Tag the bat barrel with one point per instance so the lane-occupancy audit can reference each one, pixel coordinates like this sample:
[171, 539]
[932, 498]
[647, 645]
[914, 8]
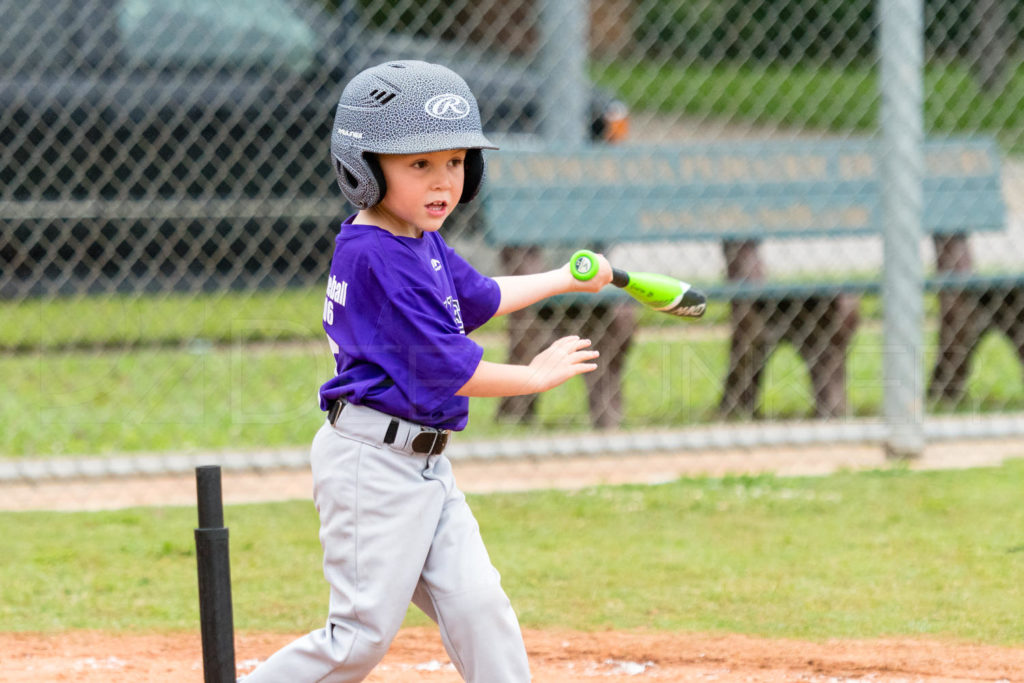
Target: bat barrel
[693, 304]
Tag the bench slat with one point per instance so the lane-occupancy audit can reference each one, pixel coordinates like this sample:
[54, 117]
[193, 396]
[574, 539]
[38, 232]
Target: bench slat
[618, 218]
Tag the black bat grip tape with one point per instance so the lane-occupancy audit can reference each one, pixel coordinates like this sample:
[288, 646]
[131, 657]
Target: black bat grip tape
[620, 278]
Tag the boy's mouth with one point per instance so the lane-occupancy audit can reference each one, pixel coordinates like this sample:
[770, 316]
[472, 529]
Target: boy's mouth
[438, 208]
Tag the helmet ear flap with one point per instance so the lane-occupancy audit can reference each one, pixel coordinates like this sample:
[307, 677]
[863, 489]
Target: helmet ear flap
[361, 181]
[373, 163]
[473, 175]
[345, 178]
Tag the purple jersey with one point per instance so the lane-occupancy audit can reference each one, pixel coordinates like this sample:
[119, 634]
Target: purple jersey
[397, 313]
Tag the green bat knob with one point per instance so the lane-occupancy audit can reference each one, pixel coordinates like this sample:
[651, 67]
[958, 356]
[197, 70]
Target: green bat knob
[584, 265]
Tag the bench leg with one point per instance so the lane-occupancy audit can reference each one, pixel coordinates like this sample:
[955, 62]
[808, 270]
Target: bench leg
[822, 335]
[960, 330]
[1010, 317]
[1007, 314]
[750, 345]
[611, 329]
[966, 318]
[961, 322]
[821, 329]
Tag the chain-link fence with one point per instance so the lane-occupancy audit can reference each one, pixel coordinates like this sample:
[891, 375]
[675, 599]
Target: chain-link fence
[169, 212]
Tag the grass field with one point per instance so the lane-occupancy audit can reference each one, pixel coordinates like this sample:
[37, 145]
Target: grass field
[234, 371]
[848, 555]
[244, 396]
[124, 321]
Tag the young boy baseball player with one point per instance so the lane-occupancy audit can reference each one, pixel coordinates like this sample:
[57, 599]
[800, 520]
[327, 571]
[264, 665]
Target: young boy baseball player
[394, 526]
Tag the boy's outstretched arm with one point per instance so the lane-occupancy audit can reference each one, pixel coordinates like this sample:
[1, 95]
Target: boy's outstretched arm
[566, 358]
[520, 291]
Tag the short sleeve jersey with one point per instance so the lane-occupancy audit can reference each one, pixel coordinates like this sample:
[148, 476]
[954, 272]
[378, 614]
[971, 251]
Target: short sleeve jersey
[396, 314]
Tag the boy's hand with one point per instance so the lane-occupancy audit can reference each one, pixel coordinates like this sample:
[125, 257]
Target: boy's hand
[594, 284]
[564, 359]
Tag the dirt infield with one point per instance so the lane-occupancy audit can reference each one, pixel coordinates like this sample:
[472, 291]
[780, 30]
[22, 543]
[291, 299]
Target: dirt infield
[416, 655]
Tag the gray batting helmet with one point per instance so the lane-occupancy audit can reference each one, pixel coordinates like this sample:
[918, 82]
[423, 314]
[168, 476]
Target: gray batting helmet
[403, 107]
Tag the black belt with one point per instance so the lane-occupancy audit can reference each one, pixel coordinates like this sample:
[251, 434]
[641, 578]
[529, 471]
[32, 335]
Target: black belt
[399, 433]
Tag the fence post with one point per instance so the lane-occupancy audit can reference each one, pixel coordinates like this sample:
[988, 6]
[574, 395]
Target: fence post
[902, 167]
[564, 35]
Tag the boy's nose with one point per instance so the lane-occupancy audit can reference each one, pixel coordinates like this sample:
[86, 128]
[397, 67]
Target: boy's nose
[442, 180]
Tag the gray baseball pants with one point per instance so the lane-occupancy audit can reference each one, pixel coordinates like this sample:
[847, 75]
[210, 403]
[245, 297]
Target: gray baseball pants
[395, 528]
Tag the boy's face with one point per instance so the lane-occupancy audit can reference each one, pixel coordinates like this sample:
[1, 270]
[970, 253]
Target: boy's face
[422, 190]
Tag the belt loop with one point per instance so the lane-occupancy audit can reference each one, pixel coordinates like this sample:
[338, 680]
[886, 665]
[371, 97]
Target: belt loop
[389, 436]
[335, 411]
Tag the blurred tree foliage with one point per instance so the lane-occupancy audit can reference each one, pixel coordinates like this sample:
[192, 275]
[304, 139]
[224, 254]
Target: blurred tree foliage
[816, 31]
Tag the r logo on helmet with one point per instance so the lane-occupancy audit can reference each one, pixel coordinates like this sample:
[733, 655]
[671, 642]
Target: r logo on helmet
[448, 107]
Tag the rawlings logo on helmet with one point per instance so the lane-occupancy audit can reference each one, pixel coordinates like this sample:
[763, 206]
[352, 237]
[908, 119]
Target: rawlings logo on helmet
[448, 107]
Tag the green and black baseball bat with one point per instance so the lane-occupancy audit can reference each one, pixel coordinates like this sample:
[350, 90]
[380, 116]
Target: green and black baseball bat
[660, 292]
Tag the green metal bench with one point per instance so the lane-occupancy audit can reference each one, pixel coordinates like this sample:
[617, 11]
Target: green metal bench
[741, 192]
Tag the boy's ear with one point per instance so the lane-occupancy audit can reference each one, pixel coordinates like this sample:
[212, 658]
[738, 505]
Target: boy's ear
[473, 175]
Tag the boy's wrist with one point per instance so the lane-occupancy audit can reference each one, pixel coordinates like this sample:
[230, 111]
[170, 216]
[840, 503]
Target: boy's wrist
[567, 283]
